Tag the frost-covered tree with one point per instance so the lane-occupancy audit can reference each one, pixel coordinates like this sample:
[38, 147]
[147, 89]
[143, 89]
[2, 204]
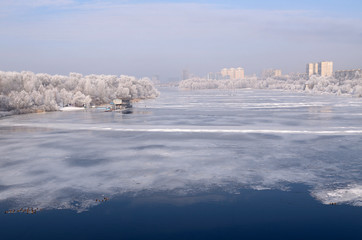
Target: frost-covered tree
[20, 100]
[4, 103]
[28, 92]
[316, 85]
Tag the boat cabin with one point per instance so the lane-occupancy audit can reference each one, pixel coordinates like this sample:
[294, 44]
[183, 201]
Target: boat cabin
[121, 104]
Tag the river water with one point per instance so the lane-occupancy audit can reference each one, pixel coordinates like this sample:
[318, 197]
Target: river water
[186, 151]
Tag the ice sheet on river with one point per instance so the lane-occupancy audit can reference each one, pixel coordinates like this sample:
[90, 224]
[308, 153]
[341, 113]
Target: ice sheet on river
[185, 142]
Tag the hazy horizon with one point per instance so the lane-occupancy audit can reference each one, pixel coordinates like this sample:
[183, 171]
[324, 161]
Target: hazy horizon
[145, 38]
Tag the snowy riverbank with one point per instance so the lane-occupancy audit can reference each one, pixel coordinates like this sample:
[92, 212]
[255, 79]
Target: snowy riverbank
[27, 92]
[315, 85]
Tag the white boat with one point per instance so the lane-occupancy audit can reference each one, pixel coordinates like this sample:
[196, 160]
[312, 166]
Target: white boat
[68, 109]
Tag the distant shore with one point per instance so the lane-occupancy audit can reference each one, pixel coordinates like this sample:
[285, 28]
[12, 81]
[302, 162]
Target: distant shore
[314, 85]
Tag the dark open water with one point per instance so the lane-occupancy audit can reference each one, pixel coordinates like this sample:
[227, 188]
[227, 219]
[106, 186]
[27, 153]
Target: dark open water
[190, 165]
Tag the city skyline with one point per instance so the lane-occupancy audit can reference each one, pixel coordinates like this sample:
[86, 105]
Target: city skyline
[144, 38]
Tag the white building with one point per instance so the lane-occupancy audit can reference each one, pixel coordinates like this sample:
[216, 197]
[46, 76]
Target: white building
[324, 69]
[233, 73]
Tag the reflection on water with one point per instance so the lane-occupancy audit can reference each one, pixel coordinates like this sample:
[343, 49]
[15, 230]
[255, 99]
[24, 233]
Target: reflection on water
[184, 143]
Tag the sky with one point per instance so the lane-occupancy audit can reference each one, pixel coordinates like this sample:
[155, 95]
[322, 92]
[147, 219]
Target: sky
[145, 38]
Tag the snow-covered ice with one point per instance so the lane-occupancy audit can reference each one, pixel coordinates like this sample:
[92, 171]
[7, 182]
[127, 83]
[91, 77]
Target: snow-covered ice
[185, 142]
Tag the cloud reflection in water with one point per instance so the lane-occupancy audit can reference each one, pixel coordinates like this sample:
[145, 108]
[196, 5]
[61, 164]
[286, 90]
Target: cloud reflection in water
[63, 167]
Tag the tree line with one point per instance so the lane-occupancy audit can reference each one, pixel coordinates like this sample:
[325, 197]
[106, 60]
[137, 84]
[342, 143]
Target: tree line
[25, 92]
[315, 84]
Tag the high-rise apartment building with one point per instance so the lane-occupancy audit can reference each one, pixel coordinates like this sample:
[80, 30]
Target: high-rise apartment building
[239, 73]
[324, 69]
[224, 72]
[233, 73]
[310, 69]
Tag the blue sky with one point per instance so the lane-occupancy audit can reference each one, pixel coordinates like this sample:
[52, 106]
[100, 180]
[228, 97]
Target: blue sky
[144, 38]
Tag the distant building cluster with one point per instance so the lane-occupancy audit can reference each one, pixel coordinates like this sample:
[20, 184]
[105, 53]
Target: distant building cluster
[271, 73]
[320, 69]
[227, 73]
[323, 69]
[233, 73]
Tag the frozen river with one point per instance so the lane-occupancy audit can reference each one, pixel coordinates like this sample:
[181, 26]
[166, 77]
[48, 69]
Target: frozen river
[188, 165]
[184, 143]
